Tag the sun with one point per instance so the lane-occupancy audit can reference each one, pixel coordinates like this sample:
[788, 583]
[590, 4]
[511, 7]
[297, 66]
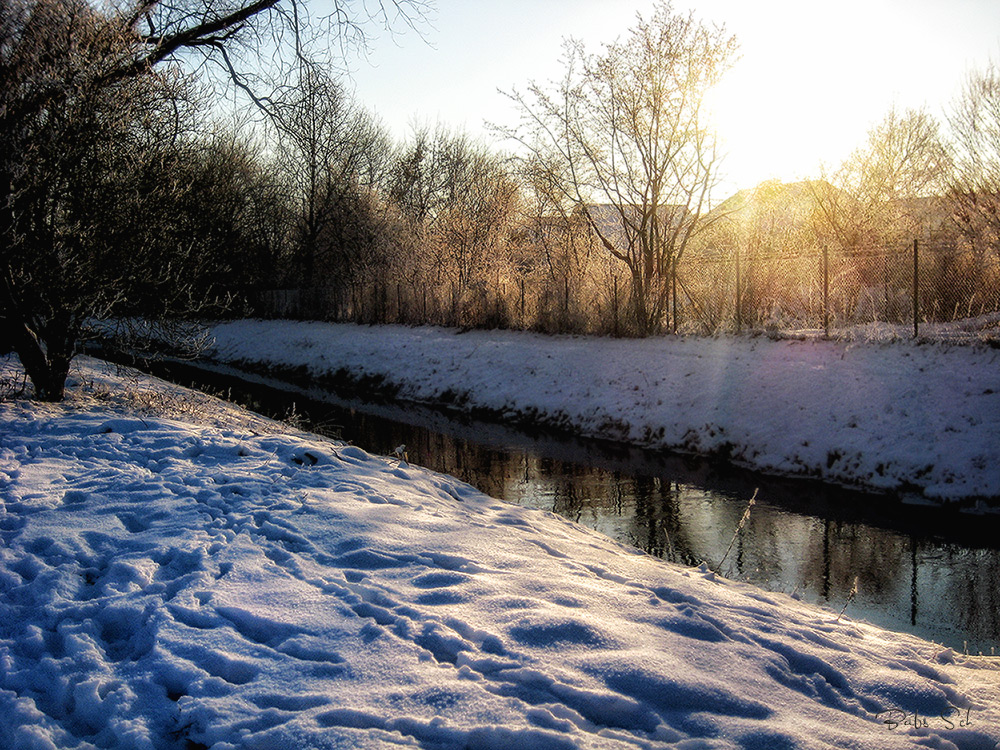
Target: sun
[770, 126]
[808, 85]
[758, 137]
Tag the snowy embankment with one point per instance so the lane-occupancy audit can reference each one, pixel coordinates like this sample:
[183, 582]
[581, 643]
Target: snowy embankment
[179, 574]
[903, 417]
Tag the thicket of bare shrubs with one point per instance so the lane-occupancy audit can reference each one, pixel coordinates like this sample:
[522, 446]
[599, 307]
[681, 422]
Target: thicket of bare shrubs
[121, 197]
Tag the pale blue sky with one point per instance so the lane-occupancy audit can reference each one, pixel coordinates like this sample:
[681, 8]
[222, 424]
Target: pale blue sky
[812, 79]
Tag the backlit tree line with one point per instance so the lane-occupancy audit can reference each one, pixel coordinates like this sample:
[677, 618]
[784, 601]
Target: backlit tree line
[127, 193]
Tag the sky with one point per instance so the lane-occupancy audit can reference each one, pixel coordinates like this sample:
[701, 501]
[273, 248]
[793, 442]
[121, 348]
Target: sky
[811, 80]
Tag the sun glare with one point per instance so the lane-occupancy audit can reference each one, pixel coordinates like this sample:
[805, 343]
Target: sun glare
[784, 111]
[812, 79]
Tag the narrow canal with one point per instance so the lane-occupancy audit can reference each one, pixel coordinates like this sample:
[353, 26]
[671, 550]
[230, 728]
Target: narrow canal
[914, 568]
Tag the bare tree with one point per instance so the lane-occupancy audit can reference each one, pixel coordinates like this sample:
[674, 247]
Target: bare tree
[975, 148]
[557, 256]
[335, 157]
[79, 88]
[461, 199]
[71, 164]
[228, 218]
[553, 225]
[624, 133]
[885, 194]
[873, 200]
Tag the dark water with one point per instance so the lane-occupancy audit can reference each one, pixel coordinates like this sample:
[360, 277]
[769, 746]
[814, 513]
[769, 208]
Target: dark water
[919, 569]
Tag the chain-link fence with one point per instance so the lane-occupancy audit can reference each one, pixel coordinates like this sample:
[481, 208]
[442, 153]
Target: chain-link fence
[915, 288]
[920, 288]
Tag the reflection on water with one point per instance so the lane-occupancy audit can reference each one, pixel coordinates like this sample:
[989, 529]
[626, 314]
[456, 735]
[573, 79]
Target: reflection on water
[919, 569]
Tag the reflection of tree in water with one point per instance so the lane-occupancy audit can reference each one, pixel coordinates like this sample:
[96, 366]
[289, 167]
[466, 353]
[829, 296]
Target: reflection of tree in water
[567, 501]
[975, 595]
[834, 553]
[587, 494]
[761, 548]
[879, 560]
[657, 523]
[486, 468]
[649, 501]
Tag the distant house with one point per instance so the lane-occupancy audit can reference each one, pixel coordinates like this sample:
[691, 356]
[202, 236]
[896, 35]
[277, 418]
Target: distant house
[607, 218]
[791, 216]
[612, 222]
[780, 203]
[932, 217]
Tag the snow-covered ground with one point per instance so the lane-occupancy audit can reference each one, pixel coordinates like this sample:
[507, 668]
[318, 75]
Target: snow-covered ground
[917, 418]
[175, 573]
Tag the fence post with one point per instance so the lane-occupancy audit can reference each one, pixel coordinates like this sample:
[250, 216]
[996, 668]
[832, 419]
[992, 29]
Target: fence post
[614, 281]
[673, 291]
[504, 309]
[826, 291]
[885, 279]
[521, 284]
[739, 301]
[916, 289]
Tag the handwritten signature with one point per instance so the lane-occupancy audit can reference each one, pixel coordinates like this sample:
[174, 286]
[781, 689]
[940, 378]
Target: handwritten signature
[953, 718]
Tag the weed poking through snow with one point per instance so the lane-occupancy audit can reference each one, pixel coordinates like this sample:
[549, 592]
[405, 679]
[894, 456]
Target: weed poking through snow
[739, 527]
[850, 598]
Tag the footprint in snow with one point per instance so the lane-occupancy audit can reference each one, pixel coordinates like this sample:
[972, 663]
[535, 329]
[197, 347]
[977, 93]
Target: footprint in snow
[133, 523]
[75, 498]
[439, 588]
[440, 579]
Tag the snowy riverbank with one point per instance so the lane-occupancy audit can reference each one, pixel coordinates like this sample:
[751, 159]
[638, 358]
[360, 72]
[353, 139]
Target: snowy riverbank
[175, 574]
[920, 419]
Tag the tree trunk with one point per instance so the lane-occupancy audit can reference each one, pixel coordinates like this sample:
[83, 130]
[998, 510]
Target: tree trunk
[46, 367]
[50, 385]
[640, 305]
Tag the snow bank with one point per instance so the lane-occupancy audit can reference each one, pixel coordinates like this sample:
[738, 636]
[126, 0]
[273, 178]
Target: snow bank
[171, 585]
[903, 417]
